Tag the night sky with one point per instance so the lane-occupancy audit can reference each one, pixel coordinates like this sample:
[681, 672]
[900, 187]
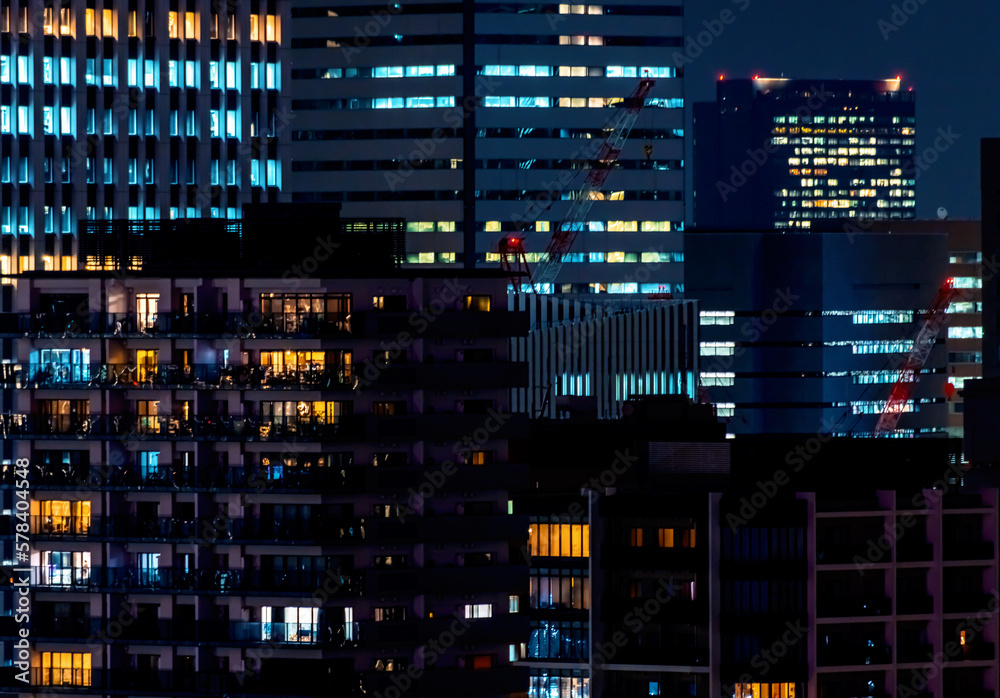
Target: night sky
[945, 50]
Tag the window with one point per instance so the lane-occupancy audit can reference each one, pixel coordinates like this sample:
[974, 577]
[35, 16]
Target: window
[559, 540]
[61, 516]
[149, 568]
[635, 537]
[514, 603]
[479, 610]
[477, 303]
[675, 537]
[66, 668]
[173, 29]
[390, 664]
[557, 588]
[389, 613]
[65, 569]
[293, 624]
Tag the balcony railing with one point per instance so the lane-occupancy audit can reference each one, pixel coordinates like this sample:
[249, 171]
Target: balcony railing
[169, 324]
[20, 425]
[167, 376]
[175, 475]
[245, 582]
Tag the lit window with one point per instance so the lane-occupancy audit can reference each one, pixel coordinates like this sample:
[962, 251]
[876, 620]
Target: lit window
[559, 540]
[173, 30]
[108, 21]
[66, 669]
[635, 537]
[514, 603]
[190, 25]
[90, 20]
[271, 28]
[479, 610]
[479, 303]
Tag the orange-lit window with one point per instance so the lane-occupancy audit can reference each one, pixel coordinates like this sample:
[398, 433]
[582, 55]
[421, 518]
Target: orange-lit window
[65, 21]
[635, 537]
[765, 690]
[90, 17]
[665, 537]
[65, 669]
[190, 25]
[271, 28]
[254, 28]
[133, 27]
[482, 661]
[961, 637]
[173, 30]
[108, 24]
[61, 516]
[559, 540]
[48, 20]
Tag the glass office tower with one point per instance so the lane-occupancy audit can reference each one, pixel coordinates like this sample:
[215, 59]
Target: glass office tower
[475, 120]
[134, 109]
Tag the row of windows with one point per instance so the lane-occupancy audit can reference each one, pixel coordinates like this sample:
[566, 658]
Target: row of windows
[566, 71]
[491, 8]
[488, 39]
[492, 101]
[438, 133]
[483, 195]
[389, 71]
[456, 163]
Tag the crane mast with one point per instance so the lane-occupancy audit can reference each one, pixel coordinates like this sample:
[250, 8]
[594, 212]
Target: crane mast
[512, 251]
[902, 389]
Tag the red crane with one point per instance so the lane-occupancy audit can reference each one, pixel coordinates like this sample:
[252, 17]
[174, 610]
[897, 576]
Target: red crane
[910, 371]
[512, 258]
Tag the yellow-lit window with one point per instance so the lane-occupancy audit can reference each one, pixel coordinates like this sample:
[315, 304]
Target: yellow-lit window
[190, 25]
[48, 264]
[173, 30]
[133, 24]
[479, 303]
[254, 28]
[213, 27]
[65, 21]
[665, 537]
[492, 227]
[48, 20]
[635, 537]
[764, 690]
[595, 41]
[108, 24]
[68, 264]
[66, 669]
[616, 257]
[271, 28]
[478, 458]
[26, 263]
[90, 17]
[60, 516]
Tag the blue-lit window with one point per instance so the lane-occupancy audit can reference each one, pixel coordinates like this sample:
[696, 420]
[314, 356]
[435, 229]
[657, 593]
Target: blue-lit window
[5, 119]
[213, 75]
[49, 120]
[214, 128]
[150, 72]
[47, 214]
[255, 70]
[595, 257]
[419, 102]
[174, 123]
[133, 123]
[231, 76]
[23, 120]
[173, 75]
[109, 171]
[216, 212]
[150, 172]
[232, 213]
[22, 177]
[654, 688]
[67, 220]
[24, 70]
[5, 68]
[150, 122]
[109, 122]
[109, 72]
[620, 71]
[389, 103]
[149, 464]
[231, 125]
[91, 76]
[231, 173]
[191, 74]
[270, 76]
[494, 101]
[133, 73]
[445, 101]
[255, 173]
[272, 174]
[533, 102]
[133, 171]
[65, 71]
[657, 72]
[396, 71]
[214, 170]
[446, 69]
[91, 177]
[191, 127]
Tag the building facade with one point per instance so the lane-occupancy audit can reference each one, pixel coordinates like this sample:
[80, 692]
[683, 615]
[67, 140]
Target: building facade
[781, 153]
[261, 482]
[476, 121]
[805, 332]
[138, 111]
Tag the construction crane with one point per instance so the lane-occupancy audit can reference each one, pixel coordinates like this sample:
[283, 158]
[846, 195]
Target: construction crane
[512, 258]
[909, 372]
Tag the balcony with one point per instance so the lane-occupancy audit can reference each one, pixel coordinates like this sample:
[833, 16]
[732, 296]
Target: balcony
[968, 550]
[174, 427]
[243, 582]
[167, 324]
[172, 376]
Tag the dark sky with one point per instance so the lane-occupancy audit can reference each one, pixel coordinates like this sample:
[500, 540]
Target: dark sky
[945, 50]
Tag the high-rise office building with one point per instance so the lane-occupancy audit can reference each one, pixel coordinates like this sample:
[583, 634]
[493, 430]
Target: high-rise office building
[386, 120]
[780, 153]
[806, 332]
[135, 110]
